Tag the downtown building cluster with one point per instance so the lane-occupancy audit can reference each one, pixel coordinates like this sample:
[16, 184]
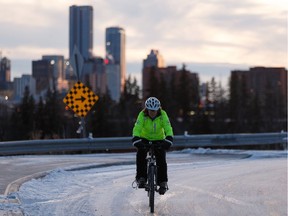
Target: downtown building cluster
[55, 72]
[107, 75]
[256, 100]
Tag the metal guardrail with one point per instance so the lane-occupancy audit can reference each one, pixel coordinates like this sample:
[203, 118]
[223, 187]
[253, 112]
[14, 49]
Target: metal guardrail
[124, 143]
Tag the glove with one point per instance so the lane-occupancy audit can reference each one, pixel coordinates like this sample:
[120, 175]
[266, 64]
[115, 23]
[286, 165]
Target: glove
[137, 142]
[169, 139]
[168, 142]
[135, 138]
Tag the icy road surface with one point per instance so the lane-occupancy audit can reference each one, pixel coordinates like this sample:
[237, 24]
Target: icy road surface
[252, 186]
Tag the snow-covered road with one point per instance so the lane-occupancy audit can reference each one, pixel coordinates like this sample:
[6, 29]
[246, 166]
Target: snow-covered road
[223, 186]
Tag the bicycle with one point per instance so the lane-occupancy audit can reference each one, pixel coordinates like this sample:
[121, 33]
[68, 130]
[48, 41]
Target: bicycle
[151, 187]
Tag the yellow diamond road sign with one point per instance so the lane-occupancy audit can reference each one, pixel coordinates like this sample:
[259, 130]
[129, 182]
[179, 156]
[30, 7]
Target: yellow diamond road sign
[80, 99]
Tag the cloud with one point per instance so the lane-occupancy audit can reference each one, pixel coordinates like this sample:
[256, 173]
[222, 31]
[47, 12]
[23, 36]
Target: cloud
[217, 31]
[32, 27]
[249, 32]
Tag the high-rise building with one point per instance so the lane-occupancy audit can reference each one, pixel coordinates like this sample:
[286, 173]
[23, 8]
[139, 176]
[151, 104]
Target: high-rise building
[115, 61]
[58, 65]
[49, 73]
[5, 73]
[97, 79]
[81, 30]
[58, 74]
[21, 83]
[259, 99]
[262, 80]
[155, 74]
[42, 71]
[154, 59]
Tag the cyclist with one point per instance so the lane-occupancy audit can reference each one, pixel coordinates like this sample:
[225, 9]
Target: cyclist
[152, 124]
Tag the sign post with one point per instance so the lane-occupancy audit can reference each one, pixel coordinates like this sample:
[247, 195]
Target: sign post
[84, 135]
[80, 98]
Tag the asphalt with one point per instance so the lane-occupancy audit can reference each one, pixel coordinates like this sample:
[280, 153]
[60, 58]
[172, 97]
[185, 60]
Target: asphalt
[17, 170]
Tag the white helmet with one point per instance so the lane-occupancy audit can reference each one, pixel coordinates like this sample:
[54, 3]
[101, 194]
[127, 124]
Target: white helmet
[152, 103]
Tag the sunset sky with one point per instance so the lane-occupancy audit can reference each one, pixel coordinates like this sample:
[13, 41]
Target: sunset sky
[211, 37]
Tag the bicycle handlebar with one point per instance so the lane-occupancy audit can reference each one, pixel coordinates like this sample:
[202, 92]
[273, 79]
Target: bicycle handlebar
[152, 142]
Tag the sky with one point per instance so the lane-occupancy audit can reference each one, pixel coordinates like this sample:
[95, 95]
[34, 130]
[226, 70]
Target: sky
[210, 37]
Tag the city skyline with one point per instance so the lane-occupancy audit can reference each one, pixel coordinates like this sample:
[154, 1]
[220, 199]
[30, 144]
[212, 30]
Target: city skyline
[210, 37]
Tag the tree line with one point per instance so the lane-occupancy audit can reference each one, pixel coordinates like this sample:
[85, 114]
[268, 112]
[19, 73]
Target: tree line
[218, 111]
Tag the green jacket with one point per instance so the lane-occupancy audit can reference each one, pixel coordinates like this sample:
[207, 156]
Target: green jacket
[156, 129]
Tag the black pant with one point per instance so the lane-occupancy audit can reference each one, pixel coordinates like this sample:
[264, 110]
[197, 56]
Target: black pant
[141, 163]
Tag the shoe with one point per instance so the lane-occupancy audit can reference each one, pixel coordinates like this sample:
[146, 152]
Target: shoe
[141, 182]
[163, 188]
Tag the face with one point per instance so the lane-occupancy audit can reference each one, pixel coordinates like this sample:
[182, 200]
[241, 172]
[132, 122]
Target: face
[152, 113]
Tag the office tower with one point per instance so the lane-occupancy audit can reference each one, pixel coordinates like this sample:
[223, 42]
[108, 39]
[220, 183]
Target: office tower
[58, 74]
[81, 30]
[261, 81]
[5, 73]
[21, 83]
[49, 74]
[155, 75]
[259, 99]
[42, 71]
[154, 59]
[58, 65]
[97, 79]
[115, 61]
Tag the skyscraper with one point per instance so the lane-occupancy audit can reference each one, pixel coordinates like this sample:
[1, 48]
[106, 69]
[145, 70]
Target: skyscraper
[81, 30]
[42, 72]
[259, 99]
[5, 73]
[115, 61]
[57, 61]
[154, 59]
[21, 83]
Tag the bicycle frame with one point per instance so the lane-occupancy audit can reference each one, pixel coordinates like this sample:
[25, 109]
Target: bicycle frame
[151, 186]
[151, 161]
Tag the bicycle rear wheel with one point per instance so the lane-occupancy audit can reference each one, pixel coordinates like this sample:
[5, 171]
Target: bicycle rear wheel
[151, 188]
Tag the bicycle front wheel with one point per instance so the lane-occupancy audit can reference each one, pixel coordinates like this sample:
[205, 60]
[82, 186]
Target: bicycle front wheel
[151, 188]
